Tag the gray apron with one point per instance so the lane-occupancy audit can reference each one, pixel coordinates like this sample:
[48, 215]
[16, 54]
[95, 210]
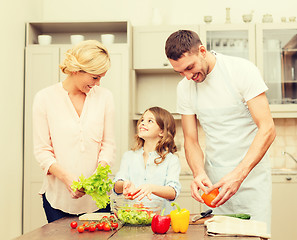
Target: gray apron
[229, 133]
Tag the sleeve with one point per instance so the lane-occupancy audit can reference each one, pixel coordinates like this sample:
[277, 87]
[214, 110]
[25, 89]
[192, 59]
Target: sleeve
[184, 105]
[123, 173]
[172, 178]
[108, 147]
[43, 148]
[252, 83]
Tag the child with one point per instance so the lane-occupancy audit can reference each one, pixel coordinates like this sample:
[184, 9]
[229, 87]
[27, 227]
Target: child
[151, 169]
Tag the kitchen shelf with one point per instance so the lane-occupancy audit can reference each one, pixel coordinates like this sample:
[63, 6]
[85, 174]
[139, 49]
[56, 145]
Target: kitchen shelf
[61, 31]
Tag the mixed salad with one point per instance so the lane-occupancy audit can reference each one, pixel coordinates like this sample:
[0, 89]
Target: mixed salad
[136, 215]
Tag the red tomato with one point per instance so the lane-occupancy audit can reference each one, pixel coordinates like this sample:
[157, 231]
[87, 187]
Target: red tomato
[100, 226]
[106, 227]
[114, 225]
[73, 224]
[112, 217]
[92, 228]
[86, 223]
[208, 198]
[80, 229]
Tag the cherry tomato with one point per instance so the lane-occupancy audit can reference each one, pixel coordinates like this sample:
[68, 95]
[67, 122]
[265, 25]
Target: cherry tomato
[106, 227]
[112, 217]
[86, 223]
[73, 224]
[81, 229]
[208, 198]
[100, 226]
[92, 228]
[114, 225]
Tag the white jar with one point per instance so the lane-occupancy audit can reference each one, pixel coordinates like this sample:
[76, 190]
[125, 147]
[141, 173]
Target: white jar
[44, 39]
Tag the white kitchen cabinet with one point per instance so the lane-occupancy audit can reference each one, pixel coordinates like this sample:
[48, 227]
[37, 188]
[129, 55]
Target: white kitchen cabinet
[277, 60]
[149, 45]
[154, 81]
[284, 208]
[42, 70]
[185, 199]
[230, 39]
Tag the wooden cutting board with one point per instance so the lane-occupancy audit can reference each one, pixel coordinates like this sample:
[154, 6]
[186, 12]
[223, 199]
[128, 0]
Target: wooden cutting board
[200, 221]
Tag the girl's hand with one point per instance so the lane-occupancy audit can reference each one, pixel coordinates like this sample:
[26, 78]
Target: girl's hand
[144, 190]
[128, 189]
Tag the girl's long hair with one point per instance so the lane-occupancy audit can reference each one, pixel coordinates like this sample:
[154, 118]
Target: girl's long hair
[166, 144]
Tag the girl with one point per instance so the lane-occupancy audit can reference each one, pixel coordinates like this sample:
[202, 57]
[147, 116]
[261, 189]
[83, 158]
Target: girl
[151, 169]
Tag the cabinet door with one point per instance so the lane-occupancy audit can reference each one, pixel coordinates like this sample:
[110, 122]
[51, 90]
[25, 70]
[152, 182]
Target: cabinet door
[277, 61]
[149, 46]
[284, 208]
[117, 81]
[185, 199]
[41, 71]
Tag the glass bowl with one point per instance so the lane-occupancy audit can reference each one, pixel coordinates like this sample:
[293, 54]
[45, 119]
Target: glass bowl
[134, 212]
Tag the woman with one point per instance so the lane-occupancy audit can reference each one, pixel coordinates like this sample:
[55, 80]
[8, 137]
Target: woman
[73, 129]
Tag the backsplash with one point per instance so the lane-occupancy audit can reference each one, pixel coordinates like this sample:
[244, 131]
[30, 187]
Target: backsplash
[286, 140]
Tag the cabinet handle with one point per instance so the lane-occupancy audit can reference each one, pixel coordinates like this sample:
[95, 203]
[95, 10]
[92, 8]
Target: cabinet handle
[165, 64]
[288, 178]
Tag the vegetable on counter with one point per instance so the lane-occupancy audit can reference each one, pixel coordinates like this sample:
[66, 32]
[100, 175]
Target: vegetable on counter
[97, 185]
[179, 218]
[208, 198]
[160, 223]
[238, 215]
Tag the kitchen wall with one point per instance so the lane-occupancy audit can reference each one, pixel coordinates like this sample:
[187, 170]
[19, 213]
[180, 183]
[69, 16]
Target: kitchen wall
[14, 14]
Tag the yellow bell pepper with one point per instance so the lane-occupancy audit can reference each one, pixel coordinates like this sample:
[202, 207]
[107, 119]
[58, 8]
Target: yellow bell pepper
[179, 219]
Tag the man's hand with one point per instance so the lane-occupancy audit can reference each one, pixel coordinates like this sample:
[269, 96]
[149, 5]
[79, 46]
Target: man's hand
[201, 181]
[228, 186]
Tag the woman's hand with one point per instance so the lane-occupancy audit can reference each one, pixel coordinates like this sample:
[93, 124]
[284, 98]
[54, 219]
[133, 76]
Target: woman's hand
[78, 193]
[201, 181]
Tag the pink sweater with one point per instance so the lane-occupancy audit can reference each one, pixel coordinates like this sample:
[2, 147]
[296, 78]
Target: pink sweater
[75, 142]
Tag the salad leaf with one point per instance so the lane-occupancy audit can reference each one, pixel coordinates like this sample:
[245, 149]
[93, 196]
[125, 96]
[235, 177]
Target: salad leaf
[97, 185]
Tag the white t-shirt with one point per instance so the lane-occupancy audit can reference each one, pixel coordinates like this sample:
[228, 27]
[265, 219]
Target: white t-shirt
[243, 75]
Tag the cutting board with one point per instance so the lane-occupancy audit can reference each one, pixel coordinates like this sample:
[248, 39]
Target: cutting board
[93, 216]
[200, 221]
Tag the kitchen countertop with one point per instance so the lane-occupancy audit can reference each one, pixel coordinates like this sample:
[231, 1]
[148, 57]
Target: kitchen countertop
[60, 229]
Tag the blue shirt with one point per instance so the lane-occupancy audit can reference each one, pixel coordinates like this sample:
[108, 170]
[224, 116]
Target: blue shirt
[165, 174]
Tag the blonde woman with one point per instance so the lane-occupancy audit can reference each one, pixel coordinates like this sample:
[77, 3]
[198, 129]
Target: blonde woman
[73, 129]
[151, 169]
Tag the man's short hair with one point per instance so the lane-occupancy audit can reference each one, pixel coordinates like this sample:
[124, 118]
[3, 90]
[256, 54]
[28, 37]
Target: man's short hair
[180, 42]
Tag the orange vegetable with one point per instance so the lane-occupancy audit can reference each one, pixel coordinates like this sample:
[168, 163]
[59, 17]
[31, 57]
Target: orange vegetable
[208, 198]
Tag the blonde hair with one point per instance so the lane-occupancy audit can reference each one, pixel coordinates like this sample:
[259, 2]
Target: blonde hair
[88, 56]
[166, 144]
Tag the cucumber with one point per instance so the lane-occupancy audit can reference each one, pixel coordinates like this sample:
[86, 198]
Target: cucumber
[239, 215]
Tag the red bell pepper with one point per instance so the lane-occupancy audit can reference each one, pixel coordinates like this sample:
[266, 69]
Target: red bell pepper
[160, 223]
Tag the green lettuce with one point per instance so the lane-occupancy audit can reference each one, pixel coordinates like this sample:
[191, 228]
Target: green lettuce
[97, 186]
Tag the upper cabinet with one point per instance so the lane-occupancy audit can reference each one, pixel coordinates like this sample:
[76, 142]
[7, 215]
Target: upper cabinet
[149, 45]
[277, 61]
[230, 39]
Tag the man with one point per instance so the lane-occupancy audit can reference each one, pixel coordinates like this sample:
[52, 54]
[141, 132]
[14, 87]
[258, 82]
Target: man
[227, 94]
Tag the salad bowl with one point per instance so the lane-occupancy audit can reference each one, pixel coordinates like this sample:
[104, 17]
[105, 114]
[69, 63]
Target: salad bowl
[134, 212]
